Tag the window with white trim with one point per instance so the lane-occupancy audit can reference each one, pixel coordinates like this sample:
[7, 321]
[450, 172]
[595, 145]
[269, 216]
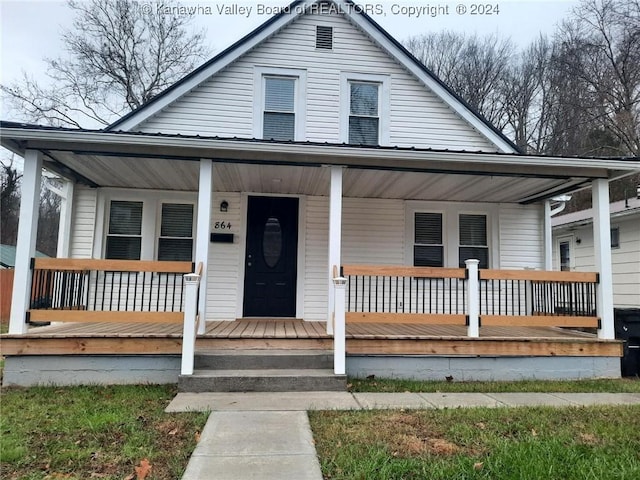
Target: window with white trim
[279, 117]
[364, 113]
[428, 248]
[440, 234]
[473, 239]
[124, 234]
[176, 232]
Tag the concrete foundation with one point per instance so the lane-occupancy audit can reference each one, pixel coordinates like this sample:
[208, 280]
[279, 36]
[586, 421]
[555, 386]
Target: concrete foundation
[483, 368]
[32, 370]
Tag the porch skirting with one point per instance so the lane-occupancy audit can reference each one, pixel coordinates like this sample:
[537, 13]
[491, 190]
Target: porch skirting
[31, 370]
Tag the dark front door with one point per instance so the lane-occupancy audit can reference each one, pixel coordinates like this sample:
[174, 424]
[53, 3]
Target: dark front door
[271, 260]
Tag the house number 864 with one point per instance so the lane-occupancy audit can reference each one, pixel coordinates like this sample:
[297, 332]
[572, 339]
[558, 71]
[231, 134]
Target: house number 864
[222, 225]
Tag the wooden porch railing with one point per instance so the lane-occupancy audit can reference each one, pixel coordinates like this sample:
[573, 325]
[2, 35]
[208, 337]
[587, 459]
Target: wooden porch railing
[538, 298]
[93, 290]
[387, 294]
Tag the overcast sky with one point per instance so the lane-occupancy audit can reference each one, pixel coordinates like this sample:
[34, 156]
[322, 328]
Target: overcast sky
[31, 28]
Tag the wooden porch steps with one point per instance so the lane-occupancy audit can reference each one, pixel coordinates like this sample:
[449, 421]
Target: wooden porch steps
[263, 371]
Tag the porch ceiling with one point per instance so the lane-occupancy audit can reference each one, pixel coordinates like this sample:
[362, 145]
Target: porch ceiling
[176, 174]
[171, 162]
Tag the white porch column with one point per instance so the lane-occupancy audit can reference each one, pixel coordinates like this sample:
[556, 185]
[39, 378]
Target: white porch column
[602, 251]
[339, 339]
[26, 246]
[548, 244]
[203, 227]
[335, 238]
[66, 209]
[473, 298]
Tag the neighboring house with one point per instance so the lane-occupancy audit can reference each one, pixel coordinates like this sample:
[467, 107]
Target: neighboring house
[315, 146]
[7, 262]
[8, 256]
[573, 247]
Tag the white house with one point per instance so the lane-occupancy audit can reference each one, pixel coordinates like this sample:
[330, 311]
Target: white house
[573, 247]
[316, 147]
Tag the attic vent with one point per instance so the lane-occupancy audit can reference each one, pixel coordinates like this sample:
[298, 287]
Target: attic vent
[324, 37]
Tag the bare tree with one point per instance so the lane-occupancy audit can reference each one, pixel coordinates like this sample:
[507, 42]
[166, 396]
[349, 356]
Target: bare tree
[599, 47]
[9, 203]
[121, 53]
[474, 67]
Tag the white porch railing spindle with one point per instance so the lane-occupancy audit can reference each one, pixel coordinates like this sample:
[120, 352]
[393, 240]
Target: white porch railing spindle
[191, 281]
[339, 330]
[473, 298]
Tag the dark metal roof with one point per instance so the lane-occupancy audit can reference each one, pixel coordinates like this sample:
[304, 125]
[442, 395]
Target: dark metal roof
[27, 126]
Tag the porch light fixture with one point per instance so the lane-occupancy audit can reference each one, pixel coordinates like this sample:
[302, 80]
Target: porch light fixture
[224, 206]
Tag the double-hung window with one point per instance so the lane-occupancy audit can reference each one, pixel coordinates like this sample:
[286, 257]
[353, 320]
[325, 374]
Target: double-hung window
[279, 103]
[124, 234]
[176, 232]
[446, 235]
[364, 108]
[279, 117]
[473, 239]
[364, 113]
[428, 249]
[150, 226]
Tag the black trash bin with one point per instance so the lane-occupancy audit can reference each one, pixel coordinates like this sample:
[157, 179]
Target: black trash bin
[627, 327]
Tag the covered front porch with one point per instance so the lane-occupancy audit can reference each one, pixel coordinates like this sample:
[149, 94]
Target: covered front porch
[356, 231]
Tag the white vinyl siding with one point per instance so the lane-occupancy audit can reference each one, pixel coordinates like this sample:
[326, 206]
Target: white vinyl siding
[224, 259]
[83, 222]
[372, 231]
[625, 260]
[521, 237]
[223, 105]
[316, 259]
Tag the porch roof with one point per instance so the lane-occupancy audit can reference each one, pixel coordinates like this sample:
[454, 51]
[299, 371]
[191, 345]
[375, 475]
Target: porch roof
[161, 161]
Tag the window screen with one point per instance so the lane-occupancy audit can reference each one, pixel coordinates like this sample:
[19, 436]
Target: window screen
[363, 113]
[279, 108]
[124, 237]
[176, 232]
[473, 239]
[428, 249]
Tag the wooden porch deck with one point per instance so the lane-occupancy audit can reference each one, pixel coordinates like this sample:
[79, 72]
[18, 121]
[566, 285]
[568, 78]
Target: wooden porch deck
[361, 338]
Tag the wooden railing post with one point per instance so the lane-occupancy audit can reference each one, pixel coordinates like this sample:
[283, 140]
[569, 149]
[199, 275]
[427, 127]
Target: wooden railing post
[473, 298]
[339, 329]
[191, 282]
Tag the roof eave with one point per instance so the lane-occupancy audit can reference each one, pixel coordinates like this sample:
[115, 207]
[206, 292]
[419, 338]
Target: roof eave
[20, 139]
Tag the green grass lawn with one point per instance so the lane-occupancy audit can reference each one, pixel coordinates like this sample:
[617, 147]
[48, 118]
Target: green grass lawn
[620, 385]
[596, 443]
[93, 432]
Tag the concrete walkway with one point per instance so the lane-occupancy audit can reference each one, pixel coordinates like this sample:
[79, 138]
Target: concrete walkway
[266, 435]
